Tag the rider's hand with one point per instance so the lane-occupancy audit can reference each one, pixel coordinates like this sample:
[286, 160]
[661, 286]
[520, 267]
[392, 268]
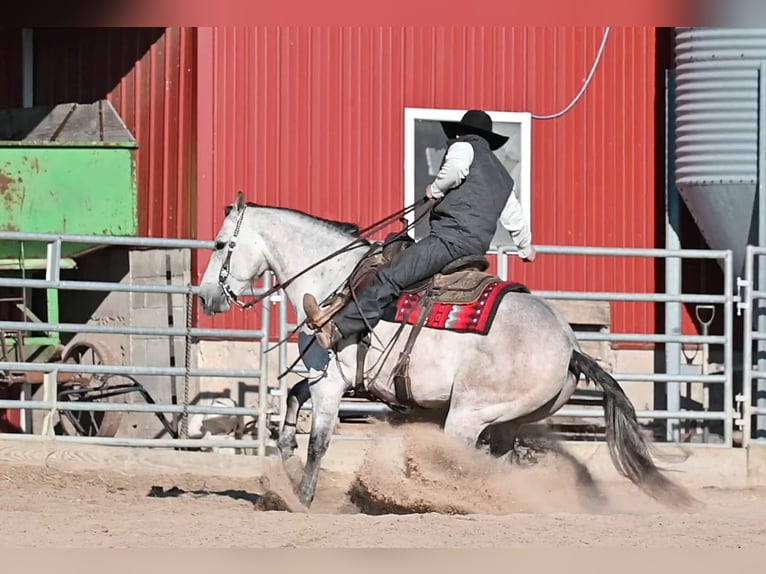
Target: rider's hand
[429, 192]
[531, 256]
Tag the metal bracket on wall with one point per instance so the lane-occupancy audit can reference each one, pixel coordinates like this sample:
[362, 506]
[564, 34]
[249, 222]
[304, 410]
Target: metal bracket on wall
[738, 416]
[742, 301]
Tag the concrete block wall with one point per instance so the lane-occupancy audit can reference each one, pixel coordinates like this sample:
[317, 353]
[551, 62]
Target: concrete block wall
[158, 266]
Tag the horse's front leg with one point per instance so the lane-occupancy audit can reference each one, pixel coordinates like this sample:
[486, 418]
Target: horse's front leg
[316, 360]
[325, 398]
[298, 395]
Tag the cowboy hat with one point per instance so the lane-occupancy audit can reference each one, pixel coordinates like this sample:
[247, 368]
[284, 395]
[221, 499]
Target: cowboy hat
[475, 122]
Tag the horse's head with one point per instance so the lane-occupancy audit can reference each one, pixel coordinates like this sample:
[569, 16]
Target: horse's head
[238, 260]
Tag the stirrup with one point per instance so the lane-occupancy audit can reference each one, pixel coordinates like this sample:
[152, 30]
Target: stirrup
[315, 315]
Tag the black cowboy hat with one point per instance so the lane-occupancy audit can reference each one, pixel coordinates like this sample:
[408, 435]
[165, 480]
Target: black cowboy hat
[475, 122]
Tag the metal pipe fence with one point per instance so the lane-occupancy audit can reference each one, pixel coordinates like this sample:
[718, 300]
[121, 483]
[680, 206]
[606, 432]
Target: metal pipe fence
[53, 370]
[727, 414]
[265, 413]
[672, 338]
[754, 403]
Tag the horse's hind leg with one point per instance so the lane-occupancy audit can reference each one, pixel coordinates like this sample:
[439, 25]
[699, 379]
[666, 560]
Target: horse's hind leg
[468, 421]
[467, 425]
[504, 437]
[501, 438]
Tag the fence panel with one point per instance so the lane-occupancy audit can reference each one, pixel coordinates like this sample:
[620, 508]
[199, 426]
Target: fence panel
[266, 414]
[55, 376]
[727, 415]
[754, 304]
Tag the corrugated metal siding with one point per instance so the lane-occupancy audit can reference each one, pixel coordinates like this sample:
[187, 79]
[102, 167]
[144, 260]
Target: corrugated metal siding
[149, 75]
[10, 68]
[717, 104]
[312, 118]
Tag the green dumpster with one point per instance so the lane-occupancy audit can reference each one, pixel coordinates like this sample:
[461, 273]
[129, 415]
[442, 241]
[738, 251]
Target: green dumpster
[66, 169]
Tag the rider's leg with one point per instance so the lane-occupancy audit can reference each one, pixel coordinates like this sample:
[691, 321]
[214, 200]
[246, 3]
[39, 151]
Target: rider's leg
[422, 260]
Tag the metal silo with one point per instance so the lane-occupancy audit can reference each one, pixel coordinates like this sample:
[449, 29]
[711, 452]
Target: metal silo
[716, 143]
[720, 102]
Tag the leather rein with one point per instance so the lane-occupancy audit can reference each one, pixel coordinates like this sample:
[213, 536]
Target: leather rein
[360, 241]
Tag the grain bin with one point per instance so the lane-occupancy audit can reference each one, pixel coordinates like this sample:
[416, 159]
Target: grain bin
[716, 144]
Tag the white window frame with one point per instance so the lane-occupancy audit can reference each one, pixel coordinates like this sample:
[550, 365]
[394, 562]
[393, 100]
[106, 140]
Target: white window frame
[447, 114]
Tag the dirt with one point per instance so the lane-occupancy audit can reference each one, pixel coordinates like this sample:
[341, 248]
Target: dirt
[431, 494]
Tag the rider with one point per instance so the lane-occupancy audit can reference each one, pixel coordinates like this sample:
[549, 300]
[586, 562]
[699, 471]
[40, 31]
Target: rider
[473, 190]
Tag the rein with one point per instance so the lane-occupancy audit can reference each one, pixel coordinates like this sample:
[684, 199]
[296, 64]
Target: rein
[355, 244]
[362, 232]
[360, 241]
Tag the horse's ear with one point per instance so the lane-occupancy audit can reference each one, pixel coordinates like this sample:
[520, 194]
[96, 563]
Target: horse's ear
[240, 203]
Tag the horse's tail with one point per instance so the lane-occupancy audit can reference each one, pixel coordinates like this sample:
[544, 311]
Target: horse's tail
[627, 446]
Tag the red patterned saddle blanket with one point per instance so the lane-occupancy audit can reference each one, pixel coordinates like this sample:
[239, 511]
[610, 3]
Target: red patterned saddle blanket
[471, 314]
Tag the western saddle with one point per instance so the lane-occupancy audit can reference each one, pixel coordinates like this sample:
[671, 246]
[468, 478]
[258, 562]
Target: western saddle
[460, 282]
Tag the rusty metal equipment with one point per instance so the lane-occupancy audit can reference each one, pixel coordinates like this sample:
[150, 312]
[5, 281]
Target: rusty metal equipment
[66, 169]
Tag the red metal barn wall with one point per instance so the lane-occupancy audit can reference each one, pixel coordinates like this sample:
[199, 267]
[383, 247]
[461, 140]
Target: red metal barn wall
[312, 118]
[149, 75]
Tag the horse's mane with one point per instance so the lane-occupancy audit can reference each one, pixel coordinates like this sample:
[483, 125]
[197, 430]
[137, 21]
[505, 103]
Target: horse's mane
[342, 226]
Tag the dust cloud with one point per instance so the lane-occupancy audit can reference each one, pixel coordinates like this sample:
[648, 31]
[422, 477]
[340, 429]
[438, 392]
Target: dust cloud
[416, 469]
[428, 472]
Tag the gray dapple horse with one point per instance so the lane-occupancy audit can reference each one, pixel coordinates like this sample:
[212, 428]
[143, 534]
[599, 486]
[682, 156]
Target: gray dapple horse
[523, 370]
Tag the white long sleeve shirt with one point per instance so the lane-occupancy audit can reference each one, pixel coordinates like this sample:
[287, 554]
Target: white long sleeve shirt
[456, 167]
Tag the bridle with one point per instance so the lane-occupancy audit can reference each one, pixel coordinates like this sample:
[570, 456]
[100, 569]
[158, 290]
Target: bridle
[224, 272]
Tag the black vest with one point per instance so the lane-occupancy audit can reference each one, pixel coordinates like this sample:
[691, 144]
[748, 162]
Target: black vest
[467, 216]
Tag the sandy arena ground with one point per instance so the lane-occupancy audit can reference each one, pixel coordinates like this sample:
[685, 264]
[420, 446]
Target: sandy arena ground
[446, 498]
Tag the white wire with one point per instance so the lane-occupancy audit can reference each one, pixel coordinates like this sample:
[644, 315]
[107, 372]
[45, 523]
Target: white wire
[584, 86]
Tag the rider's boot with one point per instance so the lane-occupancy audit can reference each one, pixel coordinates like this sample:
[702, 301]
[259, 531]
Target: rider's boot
[327, 334]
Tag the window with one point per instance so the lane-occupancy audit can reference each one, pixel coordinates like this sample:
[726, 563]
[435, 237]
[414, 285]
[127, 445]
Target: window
[425, 146]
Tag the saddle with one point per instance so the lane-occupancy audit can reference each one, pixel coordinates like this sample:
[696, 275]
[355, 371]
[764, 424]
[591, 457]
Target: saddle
[460, 282]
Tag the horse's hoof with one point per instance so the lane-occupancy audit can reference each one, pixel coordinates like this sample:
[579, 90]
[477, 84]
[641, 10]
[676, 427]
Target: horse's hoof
[305, 498]
[522, 456]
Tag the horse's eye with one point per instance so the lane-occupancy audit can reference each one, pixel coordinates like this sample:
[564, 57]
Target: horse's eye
[219, 245]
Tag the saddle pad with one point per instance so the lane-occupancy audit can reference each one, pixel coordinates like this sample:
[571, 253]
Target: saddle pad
[474, 317]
